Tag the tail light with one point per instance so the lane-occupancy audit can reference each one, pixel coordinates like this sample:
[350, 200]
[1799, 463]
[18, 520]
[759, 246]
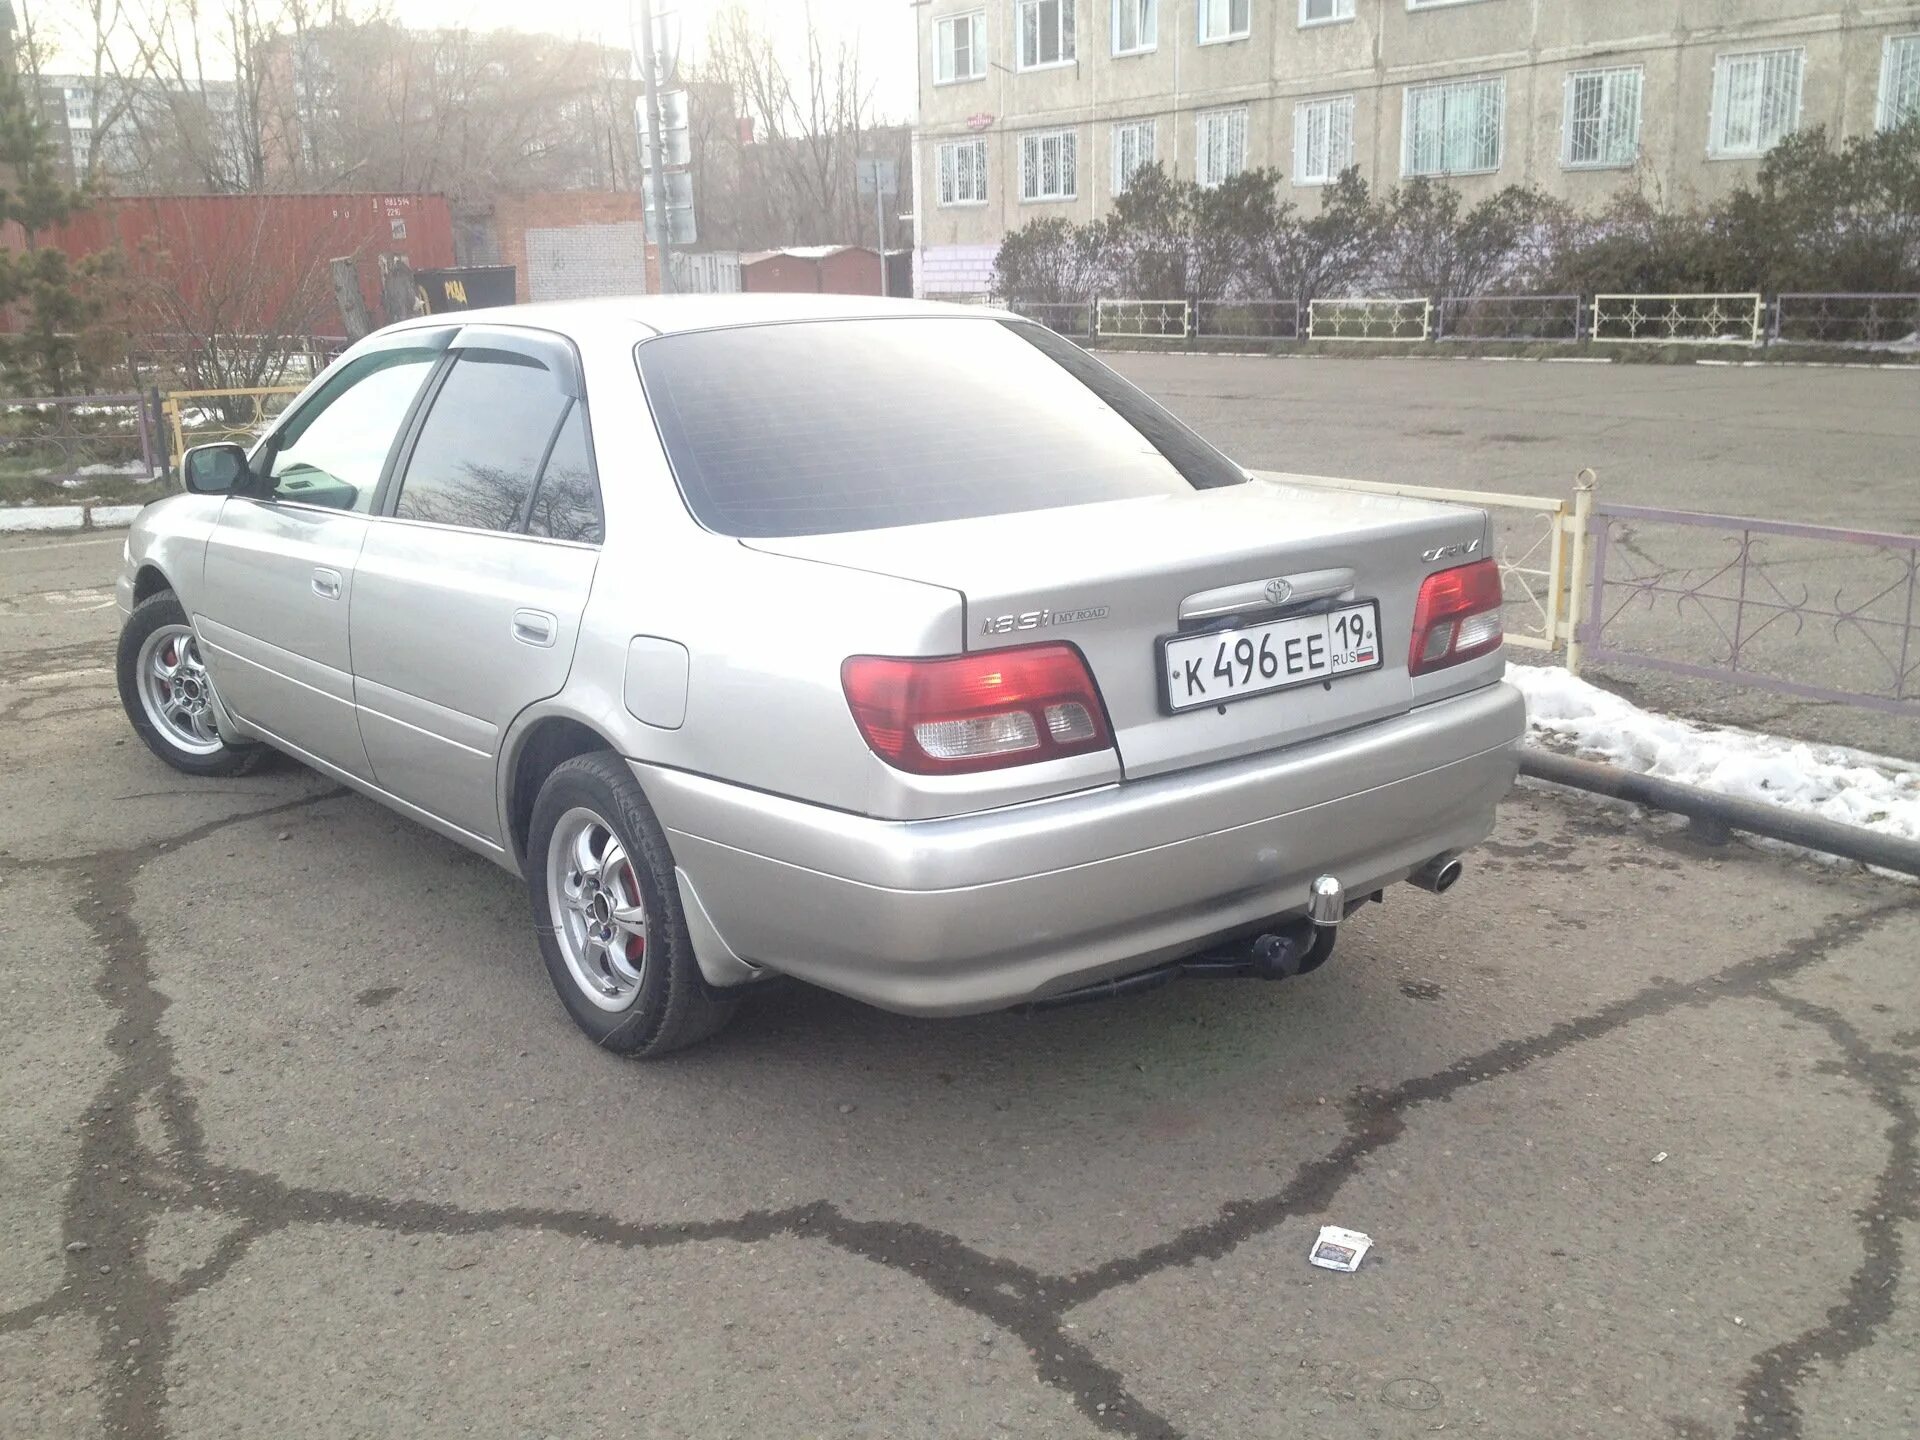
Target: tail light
[959, 713]
[1456, 617]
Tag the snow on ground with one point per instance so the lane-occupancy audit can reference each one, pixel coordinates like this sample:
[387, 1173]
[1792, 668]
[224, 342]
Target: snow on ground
[1831, 781]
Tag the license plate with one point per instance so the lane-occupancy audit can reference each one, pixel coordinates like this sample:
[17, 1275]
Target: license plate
[1223, 665]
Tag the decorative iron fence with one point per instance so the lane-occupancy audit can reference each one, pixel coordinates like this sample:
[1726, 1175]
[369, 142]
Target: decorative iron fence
[1805, 610]
[1143, 319]
[199, 417]
[1736, 319]
[1369, 318]
[58, 443]
[1536, 318]
[1846, 319]
[1073, 319]
[1247, 319]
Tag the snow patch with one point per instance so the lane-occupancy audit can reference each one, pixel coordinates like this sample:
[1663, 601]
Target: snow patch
[1831, 781]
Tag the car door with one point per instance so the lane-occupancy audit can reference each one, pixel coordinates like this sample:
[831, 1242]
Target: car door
[470, 587]
[278, 575]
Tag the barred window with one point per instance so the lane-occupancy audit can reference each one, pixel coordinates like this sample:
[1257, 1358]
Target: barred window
[1900, 82]
[1322, 140]
[1045, 29]
[963, 172]
[1320, 12]
[1048, 159]
[1136, 26]
[1224, 19]
[960, 47]
[1756, 101]
[1220, 146]
[1453, 129]
[1603, 117]
[1133, 146]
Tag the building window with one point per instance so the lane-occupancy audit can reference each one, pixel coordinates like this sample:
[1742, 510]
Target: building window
[1045, 28]
[1603, 118]
[1133, 146]
[963, 172]
[959, 48]
[1220, 145]
[1136, 26]
[1224, 19]
[1325, 12]
[1047, 162]
[1322, 140]
[1453, 129]
[1900, 82]
[1756, 101]
[1434, 4]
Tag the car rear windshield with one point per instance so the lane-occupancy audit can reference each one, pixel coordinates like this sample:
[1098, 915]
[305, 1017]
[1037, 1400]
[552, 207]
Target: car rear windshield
[837, 425]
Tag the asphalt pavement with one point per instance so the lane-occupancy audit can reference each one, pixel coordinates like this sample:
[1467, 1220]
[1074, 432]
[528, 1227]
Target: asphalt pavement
[296, 1142]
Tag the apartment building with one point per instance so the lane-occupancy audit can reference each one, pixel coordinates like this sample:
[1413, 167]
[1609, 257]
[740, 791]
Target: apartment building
[1045, 107]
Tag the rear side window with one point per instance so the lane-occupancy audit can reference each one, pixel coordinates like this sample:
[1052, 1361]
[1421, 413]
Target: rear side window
[567, 504]
[827, 426]
[481, 446]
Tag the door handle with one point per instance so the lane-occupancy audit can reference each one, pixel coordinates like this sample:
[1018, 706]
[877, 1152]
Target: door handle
[534, 627]
[326, 584]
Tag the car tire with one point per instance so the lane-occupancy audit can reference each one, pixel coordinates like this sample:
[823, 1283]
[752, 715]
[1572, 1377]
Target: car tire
[168, 695]
[606, 910]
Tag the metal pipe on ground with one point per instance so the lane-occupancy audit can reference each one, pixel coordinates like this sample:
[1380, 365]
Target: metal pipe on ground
[1850, 842]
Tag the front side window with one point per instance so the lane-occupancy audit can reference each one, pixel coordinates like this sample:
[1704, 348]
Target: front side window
[1603, 117]
[1045, 30]
[1900, 82]
[332, 450]
[1322, 12]
[1453, 129]
[1756, 101]
[1322, 140]
[820, 427]
[1220, 148]
[1133, 146]
[1136, 26]
[1048, 161]
[1224, 20]
[481, 446]
[963, 172]
[960, 47]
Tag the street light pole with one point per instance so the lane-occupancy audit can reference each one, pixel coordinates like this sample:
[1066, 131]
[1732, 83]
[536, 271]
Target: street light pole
[651, 79]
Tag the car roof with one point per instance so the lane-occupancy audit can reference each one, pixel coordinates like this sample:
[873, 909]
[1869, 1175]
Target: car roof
[671, 314]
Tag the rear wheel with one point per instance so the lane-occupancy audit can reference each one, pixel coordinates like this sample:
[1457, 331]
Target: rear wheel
[168, 694]
[606, 909]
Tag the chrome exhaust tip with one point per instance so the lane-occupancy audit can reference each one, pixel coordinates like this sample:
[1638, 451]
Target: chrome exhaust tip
[1326, 901]
[1438, 874]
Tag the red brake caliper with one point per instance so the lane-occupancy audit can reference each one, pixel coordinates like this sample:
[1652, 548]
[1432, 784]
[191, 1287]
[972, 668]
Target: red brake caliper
[636, 944]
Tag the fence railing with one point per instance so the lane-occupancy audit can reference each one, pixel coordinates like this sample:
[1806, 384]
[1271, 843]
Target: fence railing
[1247, 319]
[1733, 319]
[1512, 317]
[1143, 319]
[199, 417]
[66, 442]
[1369, 318]
[1073, 319]
[1839, 318]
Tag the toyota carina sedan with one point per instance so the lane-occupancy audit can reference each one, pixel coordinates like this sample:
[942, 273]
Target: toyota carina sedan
[902, 649]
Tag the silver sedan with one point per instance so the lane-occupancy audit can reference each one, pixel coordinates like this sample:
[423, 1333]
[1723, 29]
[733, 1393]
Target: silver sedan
[903, 649]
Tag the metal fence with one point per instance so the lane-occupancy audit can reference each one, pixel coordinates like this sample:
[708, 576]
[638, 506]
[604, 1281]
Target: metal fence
[1807, 610]
[1839, 318]
[1733, 319]
[198, 417]
[1369, 318]
[1143, 319]
[1247, 319]
[1538, 318]
[1073, 319]
[71, 441]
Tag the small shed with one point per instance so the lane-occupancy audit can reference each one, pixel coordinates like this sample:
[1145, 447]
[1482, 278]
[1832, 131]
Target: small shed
[834, 269]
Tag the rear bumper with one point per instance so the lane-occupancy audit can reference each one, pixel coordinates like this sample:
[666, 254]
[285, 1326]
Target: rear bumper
[981, 911]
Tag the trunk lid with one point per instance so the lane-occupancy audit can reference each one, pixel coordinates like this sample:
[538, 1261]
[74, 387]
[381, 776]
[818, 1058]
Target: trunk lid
[1112, 578]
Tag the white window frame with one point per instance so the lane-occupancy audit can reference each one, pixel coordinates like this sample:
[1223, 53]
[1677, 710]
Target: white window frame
[942, 190]
[1203, 8]
[1437, 4]
[1144, 154]
[1302, 117]
[1202, 151]
[1342, 13]
[1612, 78]
[1884, 118]
[1498, 83]
[1067, 165]
[1066, 34]
[976, 23]
[1717, 148]
[1148, 14]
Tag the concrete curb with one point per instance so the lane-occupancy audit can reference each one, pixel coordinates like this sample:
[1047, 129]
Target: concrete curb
[22, 519]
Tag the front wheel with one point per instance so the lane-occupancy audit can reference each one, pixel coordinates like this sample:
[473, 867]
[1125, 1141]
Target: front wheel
[606, 909]
[168, 695]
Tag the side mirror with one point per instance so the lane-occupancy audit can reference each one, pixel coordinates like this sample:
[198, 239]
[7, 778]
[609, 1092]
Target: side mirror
[216, 469]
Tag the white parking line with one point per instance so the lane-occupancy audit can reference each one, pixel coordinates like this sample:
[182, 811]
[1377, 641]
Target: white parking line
[55, 676]
[114, 539]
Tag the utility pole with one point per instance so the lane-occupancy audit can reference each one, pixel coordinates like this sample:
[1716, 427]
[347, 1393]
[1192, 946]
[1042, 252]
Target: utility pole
[880, 234]
[658, 202]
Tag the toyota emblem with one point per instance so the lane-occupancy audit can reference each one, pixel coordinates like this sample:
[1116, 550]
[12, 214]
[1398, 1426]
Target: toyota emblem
[1279, 591]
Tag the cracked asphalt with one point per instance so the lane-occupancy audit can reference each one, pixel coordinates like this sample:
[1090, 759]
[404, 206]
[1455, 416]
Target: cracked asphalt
[296, 1142]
